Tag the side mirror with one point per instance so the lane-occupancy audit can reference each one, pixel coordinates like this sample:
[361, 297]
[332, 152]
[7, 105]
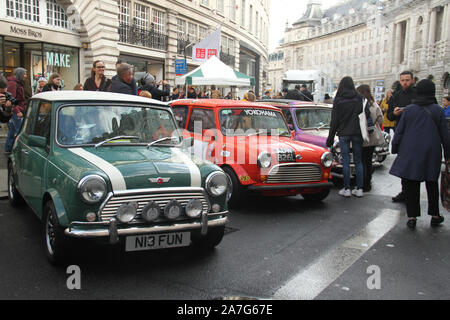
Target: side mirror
[37, 141]
[208, 135]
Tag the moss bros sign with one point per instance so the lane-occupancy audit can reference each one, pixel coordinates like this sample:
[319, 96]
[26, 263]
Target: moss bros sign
[26, 32]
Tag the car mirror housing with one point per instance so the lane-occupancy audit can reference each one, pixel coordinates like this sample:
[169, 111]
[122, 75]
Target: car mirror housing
[37, 141]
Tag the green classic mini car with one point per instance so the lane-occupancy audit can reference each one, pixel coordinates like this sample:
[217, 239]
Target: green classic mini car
[112, 166]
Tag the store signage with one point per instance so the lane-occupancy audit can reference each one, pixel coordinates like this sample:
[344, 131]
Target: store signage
[57, 59]
[25, 32]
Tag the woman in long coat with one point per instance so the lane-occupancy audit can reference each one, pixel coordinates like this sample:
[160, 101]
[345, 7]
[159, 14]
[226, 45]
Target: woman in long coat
[417, 141]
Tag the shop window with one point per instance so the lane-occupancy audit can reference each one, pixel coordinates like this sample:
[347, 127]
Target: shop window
[62, 60]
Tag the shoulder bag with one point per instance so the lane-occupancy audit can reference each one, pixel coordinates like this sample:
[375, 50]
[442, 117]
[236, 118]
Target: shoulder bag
[363, 123]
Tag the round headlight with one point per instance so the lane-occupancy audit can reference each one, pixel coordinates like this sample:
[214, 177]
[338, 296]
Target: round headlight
[126, 212]
[92, 189]
[194, 208]
[264, 159]
[173, 210]
[151, 211]
[327, 159]
[217, 183]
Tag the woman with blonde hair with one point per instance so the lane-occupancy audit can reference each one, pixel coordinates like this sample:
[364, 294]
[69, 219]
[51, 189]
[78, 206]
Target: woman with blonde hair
[145, 94]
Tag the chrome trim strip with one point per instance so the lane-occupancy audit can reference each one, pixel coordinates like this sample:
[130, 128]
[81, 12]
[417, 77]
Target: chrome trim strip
[292, 186]
[175, 227]
[157, 190]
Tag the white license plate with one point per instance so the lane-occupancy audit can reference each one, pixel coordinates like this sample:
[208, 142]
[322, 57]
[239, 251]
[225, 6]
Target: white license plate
[157, 241]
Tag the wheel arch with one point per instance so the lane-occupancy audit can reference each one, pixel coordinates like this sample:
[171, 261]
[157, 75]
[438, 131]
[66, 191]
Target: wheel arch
[53, 195]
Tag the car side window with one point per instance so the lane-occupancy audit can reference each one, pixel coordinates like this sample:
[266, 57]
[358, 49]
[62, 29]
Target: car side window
[180, 113]
[205, 116]
[43, 121]
[30, 117]
[288, 115]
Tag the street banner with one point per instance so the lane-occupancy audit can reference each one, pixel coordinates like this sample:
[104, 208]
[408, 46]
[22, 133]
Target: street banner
[208, 47]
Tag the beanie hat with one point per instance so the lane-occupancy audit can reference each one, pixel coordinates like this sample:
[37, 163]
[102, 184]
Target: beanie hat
[42, 79]
[148, 79]
[426, 88]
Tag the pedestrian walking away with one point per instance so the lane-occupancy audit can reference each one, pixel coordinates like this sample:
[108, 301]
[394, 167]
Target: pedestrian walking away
[345, 124]
[16, 88]
[97, 81]
[375, 138]
[402, 97]
[421, 131]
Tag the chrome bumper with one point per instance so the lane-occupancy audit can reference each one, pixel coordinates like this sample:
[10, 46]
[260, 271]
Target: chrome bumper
[113, 229]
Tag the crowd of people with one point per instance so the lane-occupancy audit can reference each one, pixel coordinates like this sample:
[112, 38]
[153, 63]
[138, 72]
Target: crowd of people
[409, 109]
[421, 133]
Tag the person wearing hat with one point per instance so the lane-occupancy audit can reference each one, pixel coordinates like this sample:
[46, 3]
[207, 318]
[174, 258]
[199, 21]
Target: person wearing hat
[148, 83]
[16, 84]
[306, 95]
[419, 137]
[40, 85]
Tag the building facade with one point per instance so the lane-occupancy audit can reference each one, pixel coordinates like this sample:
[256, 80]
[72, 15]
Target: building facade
[372, 41]
[67, 36]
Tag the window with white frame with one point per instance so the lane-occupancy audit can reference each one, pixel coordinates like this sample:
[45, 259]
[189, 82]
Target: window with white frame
[220, 6]
[124, 11]
[250, 19]
[233, 10]
[192, 30]
[56, 15]
[159, 21]
[256, 24]
[202, 32]
[23, 9]
[181, 28]
[243, 13]
[205, 3]
[141, 15]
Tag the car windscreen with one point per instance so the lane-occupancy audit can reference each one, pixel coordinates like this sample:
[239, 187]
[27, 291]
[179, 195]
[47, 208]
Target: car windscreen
[246, 121]
[92, 124]
[313, 118]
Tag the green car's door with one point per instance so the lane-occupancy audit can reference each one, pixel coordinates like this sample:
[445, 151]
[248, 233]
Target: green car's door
[34, 158]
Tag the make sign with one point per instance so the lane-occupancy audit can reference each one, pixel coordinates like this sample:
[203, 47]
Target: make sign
[58, 59]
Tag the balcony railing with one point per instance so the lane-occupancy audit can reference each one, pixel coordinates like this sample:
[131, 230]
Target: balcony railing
[227, 58]
[133, 34]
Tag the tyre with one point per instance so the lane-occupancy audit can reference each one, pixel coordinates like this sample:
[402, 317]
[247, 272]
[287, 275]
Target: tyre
[14, 197]
[210, 240]
[237, 193]
[55, 242]
[316, 197]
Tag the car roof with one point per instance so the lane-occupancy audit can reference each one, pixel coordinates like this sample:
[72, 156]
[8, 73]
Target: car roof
[94, 96]
[285, 103]
[221, 103]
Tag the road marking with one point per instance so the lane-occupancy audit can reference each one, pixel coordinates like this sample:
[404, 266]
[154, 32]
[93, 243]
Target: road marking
[311, 281]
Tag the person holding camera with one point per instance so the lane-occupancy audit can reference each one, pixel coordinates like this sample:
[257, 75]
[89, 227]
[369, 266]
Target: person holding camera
[6, 101]
[16, 88]
[148, 83]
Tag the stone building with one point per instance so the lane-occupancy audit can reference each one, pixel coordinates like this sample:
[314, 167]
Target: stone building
[373, 41]
[66, 36]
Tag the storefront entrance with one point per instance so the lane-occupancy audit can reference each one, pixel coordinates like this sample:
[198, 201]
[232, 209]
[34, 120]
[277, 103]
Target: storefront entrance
[40, 59]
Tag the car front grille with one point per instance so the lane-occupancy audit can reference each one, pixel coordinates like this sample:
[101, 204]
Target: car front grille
[294, 173]
[109, 210]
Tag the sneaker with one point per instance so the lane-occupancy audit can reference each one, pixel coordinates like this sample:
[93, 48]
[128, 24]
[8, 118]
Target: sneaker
[357, 193]
[345, 193]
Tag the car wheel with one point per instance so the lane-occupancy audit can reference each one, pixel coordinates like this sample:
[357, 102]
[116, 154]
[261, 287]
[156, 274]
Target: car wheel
[316, 197]
[54, 239]
[237, 191]
[210, 240]
[14, 197]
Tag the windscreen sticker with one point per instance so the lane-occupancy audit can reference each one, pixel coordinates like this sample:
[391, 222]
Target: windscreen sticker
[258, 112]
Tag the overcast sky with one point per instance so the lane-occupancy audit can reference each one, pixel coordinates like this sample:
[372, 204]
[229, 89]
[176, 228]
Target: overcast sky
[292, 10]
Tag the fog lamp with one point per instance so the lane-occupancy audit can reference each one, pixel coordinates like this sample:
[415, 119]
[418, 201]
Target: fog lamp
[194, 208]
[126, 212]
[151, 211]
[173, 210]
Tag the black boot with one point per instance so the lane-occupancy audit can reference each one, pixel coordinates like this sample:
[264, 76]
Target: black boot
[436, 221]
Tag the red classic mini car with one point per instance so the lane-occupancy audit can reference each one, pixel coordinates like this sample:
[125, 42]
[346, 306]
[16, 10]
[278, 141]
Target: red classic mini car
[252, 143]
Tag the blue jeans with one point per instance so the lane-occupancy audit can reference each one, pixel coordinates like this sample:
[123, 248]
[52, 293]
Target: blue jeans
[14, 125]
[357, 145]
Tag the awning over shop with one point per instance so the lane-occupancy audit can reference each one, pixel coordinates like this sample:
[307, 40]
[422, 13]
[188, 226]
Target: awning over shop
[215, 72]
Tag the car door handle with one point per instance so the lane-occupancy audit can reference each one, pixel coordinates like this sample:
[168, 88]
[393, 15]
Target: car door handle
[25, 151]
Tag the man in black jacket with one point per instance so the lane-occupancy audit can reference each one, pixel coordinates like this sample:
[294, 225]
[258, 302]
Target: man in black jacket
[294, 94]
[400, 99]
[124, 82]
[133, 81]
[149, 84]
[306, 95]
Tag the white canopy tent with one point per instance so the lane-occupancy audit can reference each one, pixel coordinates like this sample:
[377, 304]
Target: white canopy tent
[215, 72]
